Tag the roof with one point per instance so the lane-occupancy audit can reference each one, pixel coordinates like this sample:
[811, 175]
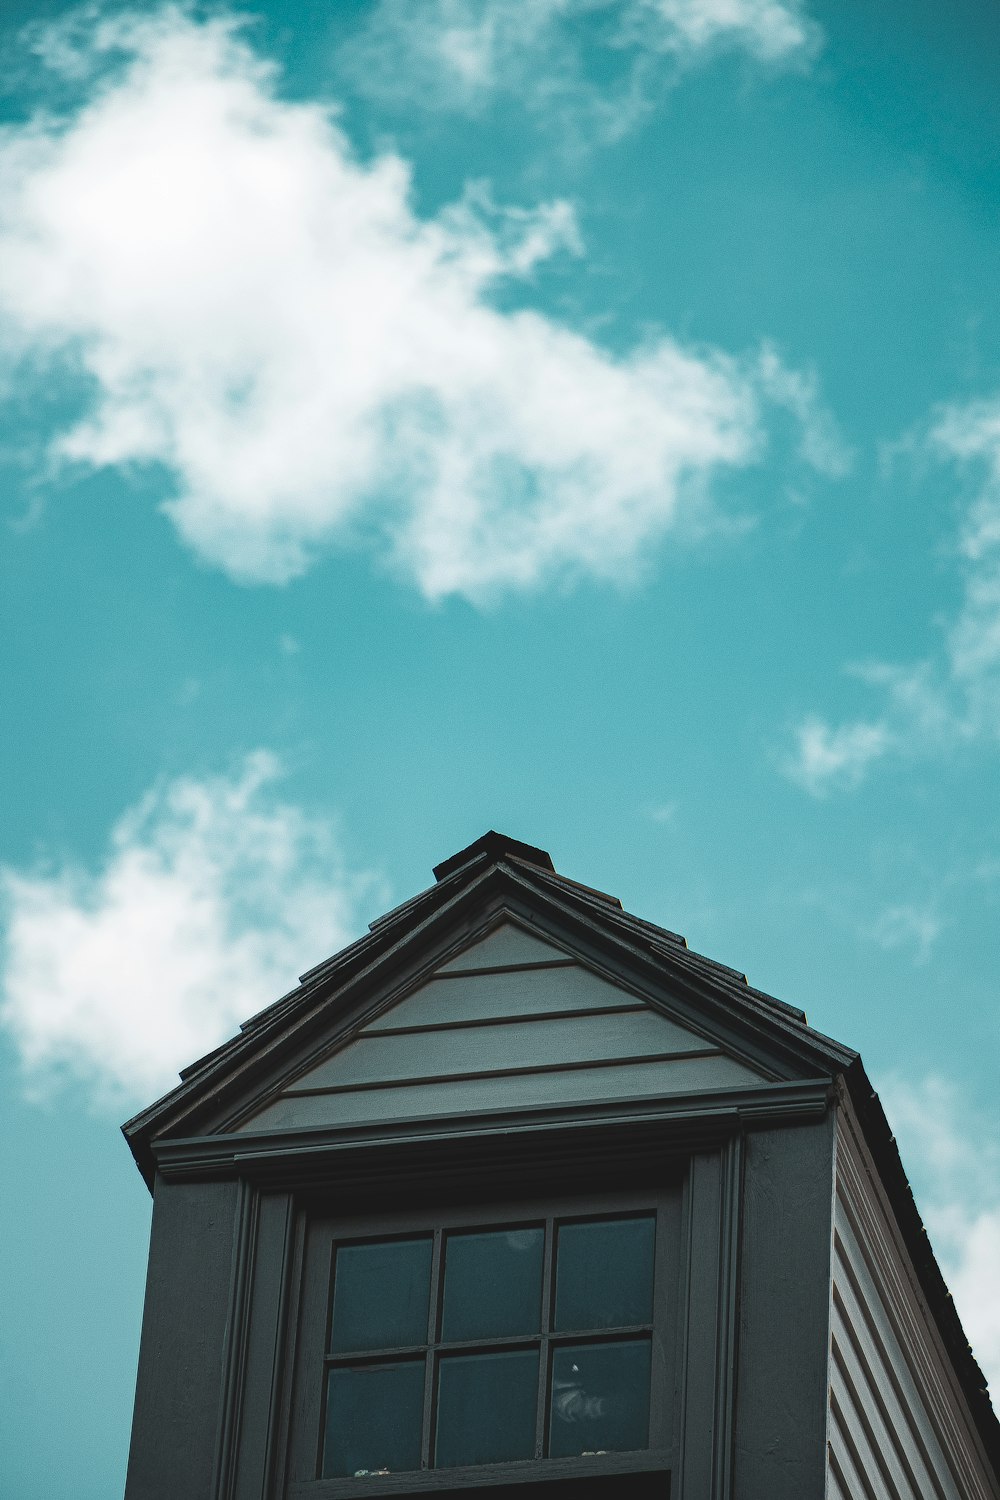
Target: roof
[499, 870]
[490, 867]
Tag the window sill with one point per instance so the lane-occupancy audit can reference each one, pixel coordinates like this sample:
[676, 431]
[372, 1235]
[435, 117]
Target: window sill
[639, 1474]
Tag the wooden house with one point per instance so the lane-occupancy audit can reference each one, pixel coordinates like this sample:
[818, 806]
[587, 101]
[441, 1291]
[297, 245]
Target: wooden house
[517, 1194]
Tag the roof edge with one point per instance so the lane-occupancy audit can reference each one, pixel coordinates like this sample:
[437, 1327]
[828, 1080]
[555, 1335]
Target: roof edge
[877, 1134]
[497, 846]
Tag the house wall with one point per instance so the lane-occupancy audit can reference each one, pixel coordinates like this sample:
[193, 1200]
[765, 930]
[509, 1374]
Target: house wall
[181, 1385]
[899, 1427]
[212, 1396]
[783, 1331]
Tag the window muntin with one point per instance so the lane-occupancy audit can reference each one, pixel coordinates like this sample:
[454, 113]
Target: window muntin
[536, 1342]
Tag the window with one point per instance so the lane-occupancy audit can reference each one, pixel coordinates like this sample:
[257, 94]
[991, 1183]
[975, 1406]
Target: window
[531, 1337]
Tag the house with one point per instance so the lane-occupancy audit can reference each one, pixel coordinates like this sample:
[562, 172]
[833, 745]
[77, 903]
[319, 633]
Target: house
[519, 1194]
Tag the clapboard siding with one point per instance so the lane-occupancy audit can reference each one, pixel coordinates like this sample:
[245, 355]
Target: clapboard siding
[847, 1476]
[886, 1451]
[507, 994]
[508, 944]
[515, 1045]
[861, 1354]
[503, 1091]
[899, 1428]
[502, 1038]
[868, 1458]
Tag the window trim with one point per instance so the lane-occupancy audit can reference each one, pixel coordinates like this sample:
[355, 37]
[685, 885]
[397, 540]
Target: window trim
[284, 1183]
[486, 1477]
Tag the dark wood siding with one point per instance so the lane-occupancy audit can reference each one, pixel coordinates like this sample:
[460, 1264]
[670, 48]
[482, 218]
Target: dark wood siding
[899, 1428]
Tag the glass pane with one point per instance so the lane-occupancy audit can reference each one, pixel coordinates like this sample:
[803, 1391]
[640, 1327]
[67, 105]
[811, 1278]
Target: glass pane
[604, 1274]
[380, 1295]
[493, 1284]
[486, 1407]
[373, 1418]
[600, 1398]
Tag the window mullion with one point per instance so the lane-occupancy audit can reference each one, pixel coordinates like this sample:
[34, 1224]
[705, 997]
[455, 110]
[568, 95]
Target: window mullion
[430, 1364]
[548, 1269]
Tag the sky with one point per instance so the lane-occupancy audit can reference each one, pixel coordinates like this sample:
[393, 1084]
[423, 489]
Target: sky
[574, 417]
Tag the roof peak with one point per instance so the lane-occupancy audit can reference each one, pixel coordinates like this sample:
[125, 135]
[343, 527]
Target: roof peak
[497, 846]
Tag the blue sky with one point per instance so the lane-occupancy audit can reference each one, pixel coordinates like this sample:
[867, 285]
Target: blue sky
[576, 417]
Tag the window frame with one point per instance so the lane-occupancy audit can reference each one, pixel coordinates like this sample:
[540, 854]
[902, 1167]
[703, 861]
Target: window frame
[325, 1229]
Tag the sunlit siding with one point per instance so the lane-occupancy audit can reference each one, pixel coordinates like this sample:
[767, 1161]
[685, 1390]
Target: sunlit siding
[898, 1427]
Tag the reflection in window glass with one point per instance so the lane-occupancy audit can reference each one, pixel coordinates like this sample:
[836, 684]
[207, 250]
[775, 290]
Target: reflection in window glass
[604, 1274]
[486, 1407]
[373, 1418]
[600, 1398]
[380, 1295]
[492, 1284]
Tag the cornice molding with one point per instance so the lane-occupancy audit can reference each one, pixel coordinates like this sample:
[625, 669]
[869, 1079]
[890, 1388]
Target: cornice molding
[572, 1141]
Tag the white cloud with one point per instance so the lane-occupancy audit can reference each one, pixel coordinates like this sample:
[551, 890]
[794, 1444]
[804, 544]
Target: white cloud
[952, 696]
[767, 29]
[825, 757]
[265, 317]
[953, 1160]
[214, 895]
[460, 54]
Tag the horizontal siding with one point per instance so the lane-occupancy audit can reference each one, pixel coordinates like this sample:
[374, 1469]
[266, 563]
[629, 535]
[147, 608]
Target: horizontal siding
[899, 1429]
[881, 1452]
[476, 1049]
[848, 1474]
[508, 944]
[867, 1348]
[504, 1091]
[837, 1489]
[484, 997]
[893, 1404]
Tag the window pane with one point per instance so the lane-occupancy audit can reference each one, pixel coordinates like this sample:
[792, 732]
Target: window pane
[380, 1295]
[604, 1274]
[486, 1407]
[492, 1284]
[373, 1418]
[600, 1398]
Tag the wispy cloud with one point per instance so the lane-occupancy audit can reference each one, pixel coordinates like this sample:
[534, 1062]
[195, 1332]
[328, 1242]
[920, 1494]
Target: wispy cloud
[459, 55]
[953, 1159]
[214, 894]
[906, 903]
[951, 697]
[908, 925]
[264, 317]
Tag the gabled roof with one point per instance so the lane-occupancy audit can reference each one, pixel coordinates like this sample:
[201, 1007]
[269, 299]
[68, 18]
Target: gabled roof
[493, 874]
[492, 879]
